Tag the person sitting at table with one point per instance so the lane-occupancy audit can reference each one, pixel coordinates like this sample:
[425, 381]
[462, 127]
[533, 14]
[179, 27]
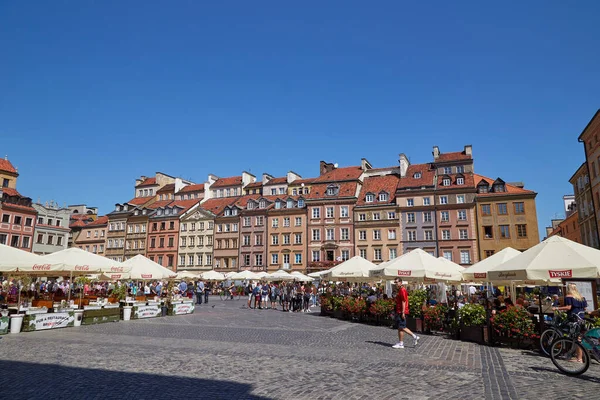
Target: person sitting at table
[555, 301]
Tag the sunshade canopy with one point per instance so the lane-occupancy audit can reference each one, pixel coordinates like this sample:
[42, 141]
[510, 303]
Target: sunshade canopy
[280, 275]
[187, 275]
[244, 275]
[17, 260]
[299, 276]
[418, 265]
[80, 262]
[356, 268]
[479, 271]
[144, 269]
[213, 275]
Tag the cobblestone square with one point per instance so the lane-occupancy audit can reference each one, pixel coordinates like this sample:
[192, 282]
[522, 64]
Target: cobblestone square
[224, 351]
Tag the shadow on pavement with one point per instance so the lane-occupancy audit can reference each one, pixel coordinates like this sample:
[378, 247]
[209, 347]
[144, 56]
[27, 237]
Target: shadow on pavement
[49, 381]
[379, 343]
[555, 370]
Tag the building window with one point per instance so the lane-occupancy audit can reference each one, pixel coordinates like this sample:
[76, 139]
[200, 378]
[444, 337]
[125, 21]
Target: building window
[40, 239]
[286, 238]
[410, 217]
[274, 258]
[376, 216]
[258, 240]
[344, 212]
[247, 221]
[29, 221]
[460, 169]
[519, 208]
[391, 215]
[40, 221]
[3, 238]
[363, 253]
[170, 261]
[17, 220]
[427, 216]
[14, 241]
[345, 255]
[370, 198]
[316, 212]
[383, 197]
[246, 259]
[488, 232]
[298, 221]
[447, 170]
[50, 239]
[447, 255]
[465, 257]
[298, 258]
[486, 209]
[443, 199]
[502, 210]
[462, 215]
[329, 212]
[286, 221]
[504, 231]
[259, 220]
[362, 235]
[316, 255]
[316, 235]
[444, 216]
[410, 202]
[297, 238]
[460, 181]
[275, 239]
[412, 236]
[392, 234]
[362, 217]
[428, 235]
[376, 234]
[182, 260]
[345, 234]
[301, 201]
[463, 234]
[522, 231]
[330, 234]
[446, 182]
[275, 222]
[417, 175]
[460, 199]
[25, 244]
[183, 241]
[426, 201]
[392, 254]
[489, 253]
[446, 234]
[377, 254]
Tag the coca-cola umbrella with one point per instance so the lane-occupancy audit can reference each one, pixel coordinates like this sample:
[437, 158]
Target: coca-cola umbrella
[554, 258]
[141, 268]
[74, 261]
[17, 261]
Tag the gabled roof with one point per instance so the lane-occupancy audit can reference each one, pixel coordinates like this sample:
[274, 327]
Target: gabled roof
[193, 188]
[411, 181]
[158, 204]
[510, 189]
[340, 174]
[184, 204]
[253, 185]
[306, 181]
[138, 201]
[147, 182]
[469, 180]
[77, 224]
[242, 201]
[276, 181]
[6, 166]
[455, 156]
[226, 182]
[346, 189]
[216, 206]
[376, 185]
[597, 114]
[170, 188]
[103, 220]
[11, 192]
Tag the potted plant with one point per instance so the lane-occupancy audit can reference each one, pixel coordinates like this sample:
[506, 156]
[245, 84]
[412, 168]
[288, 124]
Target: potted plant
[80, 281]
[16, 320]
[514, 326]
[416, 300]
[472, 322]
[381, 310]
[434, 317]
[336, 306]
[120, 293]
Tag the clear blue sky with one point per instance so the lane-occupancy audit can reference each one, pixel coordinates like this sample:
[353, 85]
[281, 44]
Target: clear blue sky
[96, 93]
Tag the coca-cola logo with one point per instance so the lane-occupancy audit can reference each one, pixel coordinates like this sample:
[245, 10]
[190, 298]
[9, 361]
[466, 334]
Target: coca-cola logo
[146, 276]
[404, 273]
[507, 275]
[116, 269]
[82, 268]
[479, 275]
[41, 267]
[565, 273]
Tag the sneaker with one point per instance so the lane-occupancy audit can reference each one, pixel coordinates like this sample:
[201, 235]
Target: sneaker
[416, 339]
[398, 346]
[308, 310]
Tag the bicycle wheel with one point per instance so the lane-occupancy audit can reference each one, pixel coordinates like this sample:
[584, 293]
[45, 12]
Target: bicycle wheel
[564, 352]
[222, 295]
[546, 339]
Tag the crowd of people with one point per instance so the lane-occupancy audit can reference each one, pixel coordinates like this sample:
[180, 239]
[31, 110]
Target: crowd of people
[290, 296]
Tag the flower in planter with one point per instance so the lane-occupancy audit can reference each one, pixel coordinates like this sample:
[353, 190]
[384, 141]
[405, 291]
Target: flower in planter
[472, 315]
[515, 322]
[434, 317]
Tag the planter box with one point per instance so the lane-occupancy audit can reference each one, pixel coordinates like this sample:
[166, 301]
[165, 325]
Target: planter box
[37, 322]
[92, 317]
[473, 333]
[414, 324]
[181, 308]
[4, 325]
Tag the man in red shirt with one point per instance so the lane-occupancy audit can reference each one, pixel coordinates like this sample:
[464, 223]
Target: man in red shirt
[401, 312]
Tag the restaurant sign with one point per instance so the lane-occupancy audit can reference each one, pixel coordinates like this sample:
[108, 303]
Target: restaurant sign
[146, 311]
[183, 308]
[39, 322]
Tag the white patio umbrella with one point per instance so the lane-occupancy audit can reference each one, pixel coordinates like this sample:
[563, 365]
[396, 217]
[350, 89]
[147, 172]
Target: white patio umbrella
[280, 275]
[244, 275]
[213, 275]
[479, 271]
[299, 276]
[318, 274]
[355, 269]
[263, 274]
[554, 258]
[143, 268]
[418, 265]
[79, 262]
[187, 275]
[17, 260]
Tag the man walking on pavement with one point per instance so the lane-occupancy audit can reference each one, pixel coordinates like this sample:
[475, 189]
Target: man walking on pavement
[402, 311]
[199, 291]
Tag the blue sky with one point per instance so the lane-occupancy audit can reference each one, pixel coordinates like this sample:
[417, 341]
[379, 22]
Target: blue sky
[96, 93]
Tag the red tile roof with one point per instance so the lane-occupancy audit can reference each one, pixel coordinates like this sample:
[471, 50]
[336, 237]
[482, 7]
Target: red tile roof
[193, 188]
[243, 201]
[157, 204]
[306, 181]
[103, 220]
[340, 174]
[147, 182]
[170, 188]
[347, 189]
[19, 206]
[11, 192]
[456, 156]
[276, 181]
[469, 179]
[253, 185]
[185, 204]
[6, 166]
[410, 181]
[77, 224]
[80, 216]
[225, 182]
[138, 201]
[376, 185]
[216, 206]
[510, 189]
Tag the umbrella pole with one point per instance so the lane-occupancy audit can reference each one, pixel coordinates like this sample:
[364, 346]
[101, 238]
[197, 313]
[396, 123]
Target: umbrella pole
[70, 287]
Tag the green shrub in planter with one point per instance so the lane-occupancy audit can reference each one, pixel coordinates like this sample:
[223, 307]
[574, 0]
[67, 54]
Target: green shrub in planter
[416, 299]
[472, 315]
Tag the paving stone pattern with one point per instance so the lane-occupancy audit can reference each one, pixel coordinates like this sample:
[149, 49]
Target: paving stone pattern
[228, 352]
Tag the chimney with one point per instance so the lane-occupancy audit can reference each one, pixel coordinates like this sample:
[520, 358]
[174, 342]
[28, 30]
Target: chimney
[247, 178]
[404, 164]
[292, 176]
[469, 150]
[326, 167]
[436, 153]
[266, 178]
[139, 181]
[365, 164]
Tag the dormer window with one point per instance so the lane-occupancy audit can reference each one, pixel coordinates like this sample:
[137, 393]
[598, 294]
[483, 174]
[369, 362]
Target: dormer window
[483, 187]
[262, 204]
[167, 211]
[144, 211]
[159, 212]
[499, 187]
[117, 208]
[234, 211]
[227, 212]
[175, 211]
[300, 203]
[290, 204]
[370, 198]
[332, 190]
[446, 182]
[278, 204]
[447, 170]
[137, 212]
[460, 180]
[383, 196]
[126, 207]
[417, 175]
[250, 205]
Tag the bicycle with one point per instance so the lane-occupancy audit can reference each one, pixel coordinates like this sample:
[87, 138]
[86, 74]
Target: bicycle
[229, 294]
[564, 350]
[559, 326]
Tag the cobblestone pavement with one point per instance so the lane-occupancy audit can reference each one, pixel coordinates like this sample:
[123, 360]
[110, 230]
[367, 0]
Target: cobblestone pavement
[227, 352]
